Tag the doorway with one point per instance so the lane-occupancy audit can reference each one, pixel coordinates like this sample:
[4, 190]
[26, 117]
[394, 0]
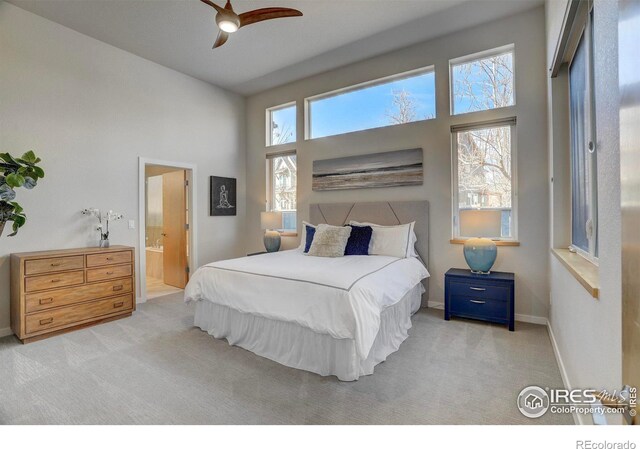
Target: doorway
[167, 234]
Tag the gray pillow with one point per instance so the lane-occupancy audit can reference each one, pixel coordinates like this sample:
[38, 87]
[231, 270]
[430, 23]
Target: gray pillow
[330, 241]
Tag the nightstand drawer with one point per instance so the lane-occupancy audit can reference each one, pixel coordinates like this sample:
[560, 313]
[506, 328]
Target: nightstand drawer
[480, 290]
[474, 307]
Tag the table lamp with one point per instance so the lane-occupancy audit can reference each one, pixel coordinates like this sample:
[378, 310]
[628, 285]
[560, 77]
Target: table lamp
[270, 221]
[480, 252]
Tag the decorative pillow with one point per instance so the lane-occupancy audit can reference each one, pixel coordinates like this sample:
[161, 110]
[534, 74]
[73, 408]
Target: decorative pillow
[395, 241]
[303, 241]
[309, 233]
[358, 243]
[329, 241]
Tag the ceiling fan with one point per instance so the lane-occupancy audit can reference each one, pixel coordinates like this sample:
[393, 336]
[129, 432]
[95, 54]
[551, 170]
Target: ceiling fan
[229, 22]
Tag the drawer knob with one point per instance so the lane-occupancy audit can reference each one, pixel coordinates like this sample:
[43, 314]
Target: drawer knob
[478, 289]
[118, 304]
[45, 300]
[117, 288]
[475, 301]
[109, 258]
[46, 321]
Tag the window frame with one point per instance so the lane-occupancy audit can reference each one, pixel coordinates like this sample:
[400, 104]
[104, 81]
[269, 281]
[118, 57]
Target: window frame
[269, 200]
[268, 122]
[586, 32]
[455, 208]
[360, 86]
[509, 48]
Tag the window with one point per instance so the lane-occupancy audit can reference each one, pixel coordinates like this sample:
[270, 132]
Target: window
[482, 81]
[583, 156]
[281, 124]
[282, 175]
[403, 98]
[484, 183]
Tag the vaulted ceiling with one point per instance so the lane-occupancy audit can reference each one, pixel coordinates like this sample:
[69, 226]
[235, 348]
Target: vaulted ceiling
[179, 33]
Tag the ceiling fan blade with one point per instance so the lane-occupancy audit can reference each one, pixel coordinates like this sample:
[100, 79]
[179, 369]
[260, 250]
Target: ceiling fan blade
[222, 38]
[259, 15]
[213, 5]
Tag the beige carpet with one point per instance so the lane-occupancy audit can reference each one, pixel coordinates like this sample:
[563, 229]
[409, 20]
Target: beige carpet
[155, 368]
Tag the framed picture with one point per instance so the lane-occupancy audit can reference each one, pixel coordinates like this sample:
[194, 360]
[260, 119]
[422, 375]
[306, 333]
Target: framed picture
[222, 196]
[389, 169]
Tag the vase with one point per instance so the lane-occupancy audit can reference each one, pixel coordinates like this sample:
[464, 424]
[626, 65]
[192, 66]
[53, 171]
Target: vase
[272, 241]
[480, 254]
[104, 243]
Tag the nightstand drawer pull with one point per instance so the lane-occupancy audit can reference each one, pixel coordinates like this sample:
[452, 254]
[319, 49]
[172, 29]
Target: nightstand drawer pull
[45, 300]
[478, 289]
[475, 301]
[118, 304]
[46, 321]
[117, 288]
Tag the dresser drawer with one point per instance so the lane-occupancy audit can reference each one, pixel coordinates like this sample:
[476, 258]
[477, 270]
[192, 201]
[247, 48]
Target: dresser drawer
[66, 296]
[479, 290]
[41, 266]
[45, 282]
[69, 316]
[484, 308]
[97, 260]
[108, 272]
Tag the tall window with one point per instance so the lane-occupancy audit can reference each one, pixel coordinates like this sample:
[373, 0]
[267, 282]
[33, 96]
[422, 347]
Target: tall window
[282, 177]
[583, 155]
[402, 98]
[482, 81]
[484, 181]
[281, 124]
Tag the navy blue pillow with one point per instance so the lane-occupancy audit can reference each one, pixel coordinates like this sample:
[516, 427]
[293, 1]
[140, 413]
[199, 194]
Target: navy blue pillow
[358, 243]
[310, 232]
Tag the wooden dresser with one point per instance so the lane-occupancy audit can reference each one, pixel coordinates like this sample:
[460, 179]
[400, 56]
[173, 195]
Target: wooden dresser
[59, 291]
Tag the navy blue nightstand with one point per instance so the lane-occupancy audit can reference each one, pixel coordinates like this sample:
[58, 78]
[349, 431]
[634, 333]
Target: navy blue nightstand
[488, 297]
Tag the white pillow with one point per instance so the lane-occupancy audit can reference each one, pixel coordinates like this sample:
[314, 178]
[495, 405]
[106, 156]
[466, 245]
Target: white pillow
[329, 241]
[396, 241]
[303, 240]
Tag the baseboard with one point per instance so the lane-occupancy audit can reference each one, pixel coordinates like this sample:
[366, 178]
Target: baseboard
[5, 332]
[577, 418]
[519, 317]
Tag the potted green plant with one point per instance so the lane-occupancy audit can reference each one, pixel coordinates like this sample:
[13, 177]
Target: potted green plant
[16, 172]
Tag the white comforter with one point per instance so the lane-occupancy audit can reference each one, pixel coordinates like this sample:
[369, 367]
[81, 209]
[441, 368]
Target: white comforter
[342, 296]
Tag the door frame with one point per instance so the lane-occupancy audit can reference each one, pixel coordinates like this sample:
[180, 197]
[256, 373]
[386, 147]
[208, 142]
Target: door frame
[191, 172]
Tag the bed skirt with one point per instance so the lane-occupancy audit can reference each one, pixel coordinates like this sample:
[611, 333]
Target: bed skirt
[299, 347]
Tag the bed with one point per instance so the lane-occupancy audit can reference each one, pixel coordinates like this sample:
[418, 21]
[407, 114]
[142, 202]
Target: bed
[331, 316]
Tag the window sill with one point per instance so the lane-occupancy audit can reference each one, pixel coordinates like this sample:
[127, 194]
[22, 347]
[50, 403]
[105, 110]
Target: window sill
[497, 242]
[580, 268]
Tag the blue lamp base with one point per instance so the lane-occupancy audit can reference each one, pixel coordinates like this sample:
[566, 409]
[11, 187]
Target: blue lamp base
[272, 241]
[480, 254]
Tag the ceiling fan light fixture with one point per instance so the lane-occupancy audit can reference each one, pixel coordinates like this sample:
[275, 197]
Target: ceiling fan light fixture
[228, 26]
[229, 23]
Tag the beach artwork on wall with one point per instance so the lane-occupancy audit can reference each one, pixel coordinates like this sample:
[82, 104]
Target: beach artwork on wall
[389, 169]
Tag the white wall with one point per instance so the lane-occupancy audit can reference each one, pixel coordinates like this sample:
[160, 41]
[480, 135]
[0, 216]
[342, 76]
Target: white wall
[588, 331]
[90, 110]
[529, 261]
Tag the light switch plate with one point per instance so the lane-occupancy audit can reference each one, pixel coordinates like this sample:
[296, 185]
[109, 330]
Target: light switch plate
[132, 224]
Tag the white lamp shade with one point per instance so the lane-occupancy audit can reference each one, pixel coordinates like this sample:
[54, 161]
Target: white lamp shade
[480, 223]
[271, 220]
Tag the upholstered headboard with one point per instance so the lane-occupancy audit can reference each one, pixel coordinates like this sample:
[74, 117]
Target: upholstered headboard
[383, 213]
